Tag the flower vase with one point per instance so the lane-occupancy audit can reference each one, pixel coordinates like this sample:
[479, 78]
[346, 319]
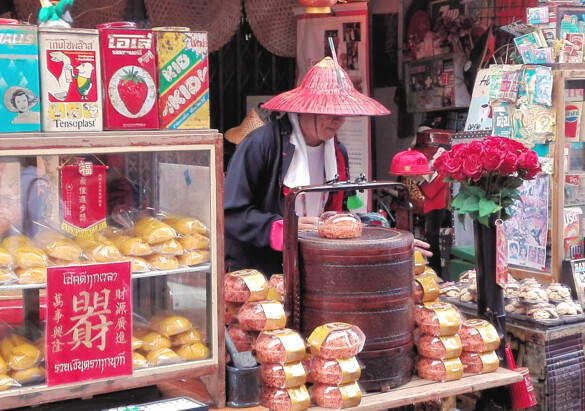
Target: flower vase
[490, 296]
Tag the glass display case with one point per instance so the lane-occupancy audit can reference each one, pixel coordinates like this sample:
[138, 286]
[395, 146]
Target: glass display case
[168, 178]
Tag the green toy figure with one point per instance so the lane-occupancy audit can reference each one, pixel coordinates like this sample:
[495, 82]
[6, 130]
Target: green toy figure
[55, 14]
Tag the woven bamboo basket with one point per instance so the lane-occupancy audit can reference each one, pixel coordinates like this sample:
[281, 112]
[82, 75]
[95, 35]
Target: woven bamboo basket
[220, 19]
[86, 14]
[274, 25]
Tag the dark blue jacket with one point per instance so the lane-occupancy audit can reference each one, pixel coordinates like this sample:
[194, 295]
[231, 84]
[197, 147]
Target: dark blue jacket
[254, 197]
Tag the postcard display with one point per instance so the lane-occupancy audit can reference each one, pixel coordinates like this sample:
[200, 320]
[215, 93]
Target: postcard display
[106, 303]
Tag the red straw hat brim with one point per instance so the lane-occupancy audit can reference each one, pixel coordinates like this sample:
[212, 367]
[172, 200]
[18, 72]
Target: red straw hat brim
[326, 89]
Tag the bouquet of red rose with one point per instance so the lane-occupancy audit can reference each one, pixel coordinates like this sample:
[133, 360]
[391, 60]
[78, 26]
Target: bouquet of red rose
[490, 172]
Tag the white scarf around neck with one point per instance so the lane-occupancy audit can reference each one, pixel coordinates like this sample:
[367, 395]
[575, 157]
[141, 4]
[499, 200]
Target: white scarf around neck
[297, 174]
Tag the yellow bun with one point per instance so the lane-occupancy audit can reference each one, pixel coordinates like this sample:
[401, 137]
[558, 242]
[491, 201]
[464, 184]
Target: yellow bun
[6, 276]
[28, 256]
[194, 241]
[18, 339]
[133, 246]
[185, 225]
[12, 242]
[110, 232]
[191, 336]
[7, 382]
[155, 341]
[136, 343]
[33, 275]
[40, 344]
[45, 237]
[163, 356]
[3, 366]
[192, 352]
[58, 262]
[98, 248]
[6, 347]
[139, 332]
[6, 259]
[163, 262]
[65, 249]
[157, 318]
[139, 265]
[172, 247]
[153, 231]
[32, 374]
[174, 325]
[139, 360]
[23, 356]
[194, 257]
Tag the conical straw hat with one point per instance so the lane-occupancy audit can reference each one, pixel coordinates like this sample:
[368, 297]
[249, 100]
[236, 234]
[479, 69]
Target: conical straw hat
[251, 122]
[326, 89]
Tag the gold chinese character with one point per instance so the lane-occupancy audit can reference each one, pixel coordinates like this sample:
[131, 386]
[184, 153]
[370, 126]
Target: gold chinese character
[93, 309]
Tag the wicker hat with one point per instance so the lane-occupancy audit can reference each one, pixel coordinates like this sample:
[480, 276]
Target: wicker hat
[326, 89]
[252, 121]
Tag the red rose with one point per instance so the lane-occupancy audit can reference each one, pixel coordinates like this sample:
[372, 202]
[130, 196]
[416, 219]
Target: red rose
[473, 148]
[472, 167]
[500, 143]
[528, 160]
[515, 146]
[509, 164]
[445, 164]
[490, 158]
[458, 150]
[531, 174]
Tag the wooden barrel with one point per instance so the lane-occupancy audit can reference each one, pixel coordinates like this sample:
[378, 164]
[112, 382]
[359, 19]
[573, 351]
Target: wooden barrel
[365, 281]
[386, 369]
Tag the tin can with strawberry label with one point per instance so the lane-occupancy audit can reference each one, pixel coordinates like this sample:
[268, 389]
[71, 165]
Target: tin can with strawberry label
[183, 91]
[129, 73]
[19, 77]
[71, 83]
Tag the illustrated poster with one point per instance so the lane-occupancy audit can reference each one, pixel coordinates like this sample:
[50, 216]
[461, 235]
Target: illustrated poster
[526, 230]
[478, 117]
[89, 325]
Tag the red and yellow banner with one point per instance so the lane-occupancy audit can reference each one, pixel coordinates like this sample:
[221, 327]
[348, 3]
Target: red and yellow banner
[83, 197]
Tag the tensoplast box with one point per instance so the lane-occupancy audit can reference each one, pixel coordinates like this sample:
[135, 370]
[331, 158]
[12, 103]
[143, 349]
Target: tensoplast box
[129, 73]
[70, 80]
[183, 76]
[19, 77]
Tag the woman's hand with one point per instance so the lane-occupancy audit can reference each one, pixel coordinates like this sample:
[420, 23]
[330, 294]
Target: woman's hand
[308, 223]
[422, 247]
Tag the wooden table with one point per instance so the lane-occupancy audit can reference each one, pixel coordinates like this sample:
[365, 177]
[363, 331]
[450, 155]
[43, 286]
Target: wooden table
[417, 390]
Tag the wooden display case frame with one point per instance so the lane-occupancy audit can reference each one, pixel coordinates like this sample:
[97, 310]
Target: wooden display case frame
[211, 370]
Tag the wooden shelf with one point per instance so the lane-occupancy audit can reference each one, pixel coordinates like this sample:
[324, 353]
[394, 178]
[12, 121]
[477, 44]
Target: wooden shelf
[419, 390]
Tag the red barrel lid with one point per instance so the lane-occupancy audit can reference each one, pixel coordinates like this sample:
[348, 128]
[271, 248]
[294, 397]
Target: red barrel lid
[9, 21]
[117, 25]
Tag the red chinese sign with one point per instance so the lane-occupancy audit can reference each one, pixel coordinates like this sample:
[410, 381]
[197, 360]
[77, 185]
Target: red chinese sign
[83, 195]
[89, 322]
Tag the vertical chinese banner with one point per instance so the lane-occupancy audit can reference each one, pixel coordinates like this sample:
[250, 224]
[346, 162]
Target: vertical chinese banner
[89, 322]
[83, 197]
[348, 29]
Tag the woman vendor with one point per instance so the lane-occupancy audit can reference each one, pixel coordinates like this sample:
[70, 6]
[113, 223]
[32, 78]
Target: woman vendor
[299, 149]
